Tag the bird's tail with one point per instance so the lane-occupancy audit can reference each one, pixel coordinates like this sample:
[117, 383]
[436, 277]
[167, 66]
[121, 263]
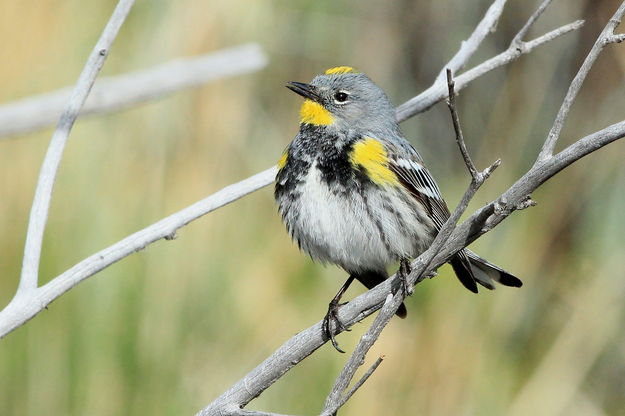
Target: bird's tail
[471, 268]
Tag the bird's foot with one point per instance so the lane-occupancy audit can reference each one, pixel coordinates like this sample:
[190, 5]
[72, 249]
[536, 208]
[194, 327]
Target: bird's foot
[333, 316]
[404, 270]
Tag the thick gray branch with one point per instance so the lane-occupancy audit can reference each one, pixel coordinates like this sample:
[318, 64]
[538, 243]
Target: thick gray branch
[243, 412]
[47, 175]
[122, 91]
[485, 219]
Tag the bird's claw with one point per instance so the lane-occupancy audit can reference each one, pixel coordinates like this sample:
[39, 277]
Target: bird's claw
[404, 270]
[332, 315]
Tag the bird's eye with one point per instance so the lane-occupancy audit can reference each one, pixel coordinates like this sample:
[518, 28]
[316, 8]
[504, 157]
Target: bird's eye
[341, 97]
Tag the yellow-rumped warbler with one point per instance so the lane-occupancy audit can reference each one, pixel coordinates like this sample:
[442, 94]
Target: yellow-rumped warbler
[353, 192]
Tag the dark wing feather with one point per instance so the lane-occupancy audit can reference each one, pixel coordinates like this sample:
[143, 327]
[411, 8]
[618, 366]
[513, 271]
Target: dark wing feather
[415, 177]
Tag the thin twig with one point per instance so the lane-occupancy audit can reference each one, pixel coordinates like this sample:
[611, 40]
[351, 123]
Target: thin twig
[361, 381]
[606, 37]
[335, 398]
[518, 38]
[438, 91]
[45, 184]
[487, 25]
[451, 103]
[549, 36]
[129, 89]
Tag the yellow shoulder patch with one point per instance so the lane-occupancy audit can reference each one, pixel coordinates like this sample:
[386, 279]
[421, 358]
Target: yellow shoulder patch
[371, 155]
[283, 158]
[340, 70]
[314, 113]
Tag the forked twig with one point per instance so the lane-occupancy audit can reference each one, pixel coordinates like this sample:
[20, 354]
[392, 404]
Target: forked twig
[606, 37]
[517, 47]
[47, 175]
[518, 39]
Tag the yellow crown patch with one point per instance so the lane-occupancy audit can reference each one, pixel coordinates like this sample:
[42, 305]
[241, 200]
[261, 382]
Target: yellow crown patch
[340, 70]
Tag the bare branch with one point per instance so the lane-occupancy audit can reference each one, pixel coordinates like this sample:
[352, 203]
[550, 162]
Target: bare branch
[361, 382]
[616, 38]
[293, 351]
[21, 309]
[43, 193]
[122, 91]
[243, 412]
[551, 35]
[438, 91]
[336, 399]
[487, 25]
[606, 37]
[518, 39]
[451, 103]
[482, 221]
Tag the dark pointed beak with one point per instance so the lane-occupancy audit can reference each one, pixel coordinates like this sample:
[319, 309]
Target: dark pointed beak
[305, 90]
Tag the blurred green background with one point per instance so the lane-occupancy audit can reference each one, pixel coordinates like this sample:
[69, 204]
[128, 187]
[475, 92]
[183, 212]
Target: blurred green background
[168, 329]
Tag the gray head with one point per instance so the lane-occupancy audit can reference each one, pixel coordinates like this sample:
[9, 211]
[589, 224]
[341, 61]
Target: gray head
[346, 100]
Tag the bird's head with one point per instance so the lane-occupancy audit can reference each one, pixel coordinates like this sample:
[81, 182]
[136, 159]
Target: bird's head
[347, 100]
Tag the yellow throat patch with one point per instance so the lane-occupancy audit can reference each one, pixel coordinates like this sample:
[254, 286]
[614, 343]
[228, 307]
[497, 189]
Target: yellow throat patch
[314, 113]
[340, 70]
[371, 155]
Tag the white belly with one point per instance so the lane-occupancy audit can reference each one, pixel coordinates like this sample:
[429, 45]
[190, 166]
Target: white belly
[359, 233]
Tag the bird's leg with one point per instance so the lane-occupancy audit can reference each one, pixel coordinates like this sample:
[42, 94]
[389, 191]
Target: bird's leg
[404, 270]
[332, 315]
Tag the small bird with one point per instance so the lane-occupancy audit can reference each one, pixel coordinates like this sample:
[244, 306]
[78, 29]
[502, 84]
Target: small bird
[353, 192]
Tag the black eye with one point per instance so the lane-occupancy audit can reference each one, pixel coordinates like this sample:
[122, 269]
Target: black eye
[340, 96]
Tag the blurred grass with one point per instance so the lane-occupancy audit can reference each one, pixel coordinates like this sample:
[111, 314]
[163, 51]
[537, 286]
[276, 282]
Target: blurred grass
[168, 329]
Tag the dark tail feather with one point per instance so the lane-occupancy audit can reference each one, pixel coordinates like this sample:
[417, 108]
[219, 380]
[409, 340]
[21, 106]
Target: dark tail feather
[486, 272]
[371, 280]
[464, 272]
